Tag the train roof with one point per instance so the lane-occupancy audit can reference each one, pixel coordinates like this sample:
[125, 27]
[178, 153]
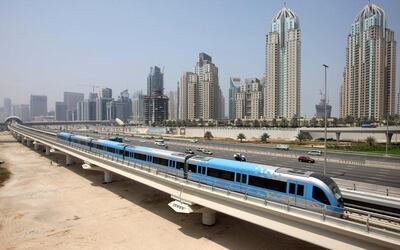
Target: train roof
[65, 133]
[241, 166]
[82, 137]
[159, 152]
[114, 144]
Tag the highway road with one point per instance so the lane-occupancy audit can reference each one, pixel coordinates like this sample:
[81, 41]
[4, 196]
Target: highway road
[384, 176]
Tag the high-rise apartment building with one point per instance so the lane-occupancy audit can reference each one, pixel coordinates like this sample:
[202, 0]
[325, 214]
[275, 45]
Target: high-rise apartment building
[368, 88]
[207, 88]
[104, 97]
[398, 103]
[249, 100]
[61, 111]
[38, 105]
[283, 68]
[187, 109]
[71, 100]
[234, 86]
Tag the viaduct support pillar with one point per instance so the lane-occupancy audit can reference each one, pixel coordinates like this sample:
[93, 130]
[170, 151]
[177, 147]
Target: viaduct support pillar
[47, 150]
[68, 160]
[28, 142]
[208, 217]
[389, 136]
[337, 137]
[35, 146]
[107, 176]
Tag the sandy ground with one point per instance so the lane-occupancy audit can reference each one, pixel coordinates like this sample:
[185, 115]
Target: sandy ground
[51, 206]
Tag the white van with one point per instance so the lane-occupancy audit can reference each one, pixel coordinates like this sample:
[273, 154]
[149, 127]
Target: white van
[282, 147]
[315, 152]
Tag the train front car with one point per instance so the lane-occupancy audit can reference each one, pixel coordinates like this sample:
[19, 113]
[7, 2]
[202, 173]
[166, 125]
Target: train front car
[333, 201]
[64, 137]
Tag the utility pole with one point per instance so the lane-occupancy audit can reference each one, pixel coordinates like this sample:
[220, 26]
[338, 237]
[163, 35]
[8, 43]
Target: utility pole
[325, 67]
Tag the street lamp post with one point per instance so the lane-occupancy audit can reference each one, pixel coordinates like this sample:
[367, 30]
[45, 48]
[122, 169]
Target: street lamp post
[325, 68]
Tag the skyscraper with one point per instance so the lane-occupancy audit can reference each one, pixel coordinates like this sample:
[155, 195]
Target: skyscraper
[207, 88]
[172, 106]
[104, 97]
[234, 86]
[138, 107]
[38, 105]
[7, 106]
[71, 100]
[155, 103]
[25, 113]
[155, 82]
[368, 88]
[283, 69]
[320, 108]
[61, 111]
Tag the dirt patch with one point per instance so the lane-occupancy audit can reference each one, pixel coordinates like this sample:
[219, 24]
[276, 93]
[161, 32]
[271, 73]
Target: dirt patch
[4, 175]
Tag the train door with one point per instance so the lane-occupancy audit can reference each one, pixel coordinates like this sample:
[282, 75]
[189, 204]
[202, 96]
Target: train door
[296, 194]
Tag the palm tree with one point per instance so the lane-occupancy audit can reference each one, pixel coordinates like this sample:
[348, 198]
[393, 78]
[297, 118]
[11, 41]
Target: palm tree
[264, 137]
[208, 135]
[241, 136]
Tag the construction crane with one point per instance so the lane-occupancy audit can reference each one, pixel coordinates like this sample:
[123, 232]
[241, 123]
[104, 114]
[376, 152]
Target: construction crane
[90, 85]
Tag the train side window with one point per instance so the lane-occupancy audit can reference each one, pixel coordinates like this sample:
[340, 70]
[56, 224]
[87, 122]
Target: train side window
[160, 161]
[180, 165]
[126, 153]
[320, 196]
[203, 170]
[221, 174]
[120, 152]
[300, 190]
[238, 177]
[244, 178]
[192, 168]
[292, 188]
[275, 185]
[139, 156]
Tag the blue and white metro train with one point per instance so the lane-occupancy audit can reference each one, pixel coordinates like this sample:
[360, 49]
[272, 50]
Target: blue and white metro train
[307, 190]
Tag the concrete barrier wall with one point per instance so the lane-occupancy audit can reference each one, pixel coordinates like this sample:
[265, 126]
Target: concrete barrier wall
[274, 133]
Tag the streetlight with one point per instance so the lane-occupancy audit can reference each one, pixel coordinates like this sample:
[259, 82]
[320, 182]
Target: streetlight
[325, 67]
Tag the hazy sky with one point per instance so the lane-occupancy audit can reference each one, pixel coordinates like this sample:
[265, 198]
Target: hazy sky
[48, 47]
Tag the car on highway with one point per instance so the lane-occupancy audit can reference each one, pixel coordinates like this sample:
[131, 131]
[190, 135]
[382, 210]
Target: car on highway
[239, 157]
[282, 147]
[194, 141]
[200, 149]
[143, 140]
[189, 151]
[305, 158]
[207, 152]
[160, 143]
[315, 152]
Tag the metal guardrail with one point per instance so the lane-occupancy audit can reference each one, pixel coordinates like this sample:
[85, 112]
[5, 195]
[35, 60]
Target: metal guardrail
[320, 229]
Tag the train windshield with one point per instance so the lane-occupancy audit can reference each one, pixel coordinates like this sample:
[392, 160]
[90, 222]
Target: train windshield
[336, 191]
[330, 183]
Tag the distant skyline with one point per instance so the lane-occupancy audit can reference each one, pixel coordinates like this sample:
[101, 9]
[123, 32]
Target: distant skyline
[49, 47]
